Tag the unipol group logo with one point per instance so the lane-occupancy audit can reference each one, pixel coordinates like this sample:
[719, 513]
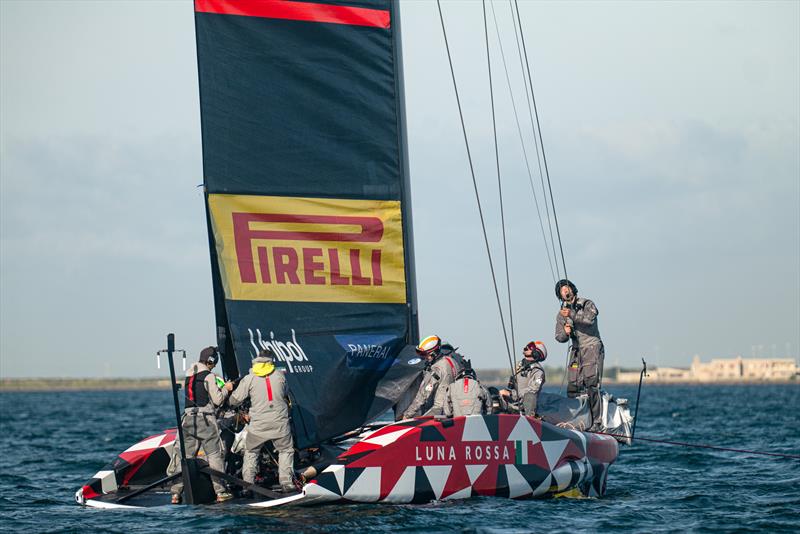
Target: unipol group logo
[309, 250]
[288, 352]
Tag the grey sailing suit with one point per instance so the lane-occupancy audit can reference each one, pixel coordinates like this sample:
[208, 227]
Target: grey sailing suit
[466, 396]
[529, 383]
[269, 421]
[585, 369]
[200, 430]
[430, 397]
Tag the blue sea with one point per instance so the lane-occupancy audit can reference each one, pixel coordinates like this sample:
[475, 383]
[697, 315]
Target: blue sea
[51, 443]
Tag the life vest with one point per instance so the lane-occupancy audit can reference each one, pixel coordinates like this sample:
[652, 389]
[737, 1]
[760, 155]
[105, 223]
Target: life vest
[196, 393]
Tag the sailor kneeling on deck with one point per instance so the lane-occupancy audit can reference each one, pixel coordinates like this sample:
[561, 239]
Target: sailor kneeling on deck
[200, 431]
[443, 364]
[268, 392]
[466, 396]
[527, 381]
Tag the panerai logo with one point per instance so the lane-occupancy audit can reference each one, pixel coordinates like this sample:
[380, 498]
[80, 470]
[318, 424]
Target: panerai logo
[289, 352]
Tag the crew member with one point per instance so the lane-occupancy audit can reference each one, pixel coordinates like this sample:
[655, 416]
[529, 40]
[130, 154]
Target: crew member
[268, 392]
[577, 321]
[528, 379]
[200, 431]
[440, 371]
[466, 396]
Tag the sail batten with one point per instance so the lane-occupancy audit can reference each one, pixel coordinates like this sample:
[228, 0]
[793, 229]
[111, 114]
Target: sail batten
[305, 191]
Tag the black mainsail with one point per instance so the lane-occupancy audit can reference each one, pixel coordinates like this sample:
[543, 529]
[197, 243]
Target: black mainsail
[308, 204]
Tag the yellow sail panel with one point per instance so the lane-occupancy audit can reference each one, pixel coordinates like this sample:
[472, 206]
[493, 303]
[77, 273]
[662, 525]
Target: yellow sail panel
[309, 249]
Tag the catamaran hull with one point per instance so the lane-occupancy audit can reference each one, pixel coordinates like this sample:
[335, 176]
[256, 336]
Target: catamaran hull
[421, 460]
[418, 461]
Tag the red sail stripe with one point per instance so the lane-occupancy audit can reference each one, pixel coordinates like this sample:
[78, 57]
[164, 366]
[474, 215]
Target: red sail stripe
[269, 389]
[306, 11]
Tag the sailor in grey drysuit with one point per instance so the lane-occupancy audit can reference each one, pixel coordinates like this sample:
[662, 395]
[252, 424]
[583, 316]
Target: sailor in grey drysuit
[200, 431]
[268, 392]
[577, 321]
[466, 396]
[528, 379]
[440, 372]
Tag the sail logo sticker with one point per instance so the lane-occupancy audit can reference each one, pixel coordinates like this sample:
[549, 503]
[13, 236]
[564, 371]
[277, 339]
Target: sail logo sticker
[309, 249]
[288, 352]
[374, 352]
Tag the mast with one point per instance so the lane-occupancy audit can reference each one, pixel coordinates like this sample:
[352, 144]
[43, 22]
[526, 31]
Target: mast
[408, 227]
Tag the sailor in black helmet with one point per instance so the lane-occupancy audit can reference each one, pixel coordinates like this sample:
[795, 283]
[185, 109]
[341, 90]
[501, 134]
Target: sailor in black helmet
[577, 322]
[203, 396]
[466, 396]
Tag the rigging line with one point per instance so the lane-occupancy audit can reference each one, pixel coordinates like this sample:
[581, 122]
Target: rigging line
[541, 141]
[535, 138]
[475, 185]
[522, 142]
[499, 185]
[702, 446]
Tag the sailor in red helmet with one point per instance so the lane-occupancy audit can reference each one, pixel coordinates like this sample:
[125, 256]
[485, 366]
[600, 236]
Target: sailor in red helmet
[577, 322]
[528, 379]
[440, 371]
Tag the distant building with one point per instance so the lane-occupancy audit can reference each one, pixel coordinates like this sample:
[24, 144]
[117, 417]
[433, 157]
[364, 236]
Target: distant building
[722, 370]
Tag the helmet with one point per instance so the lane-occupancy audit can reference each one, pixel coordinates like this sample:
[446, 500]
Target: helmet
[267, 354]
[429, 346]
[467, 371]
[562, 283]
[539, 351]
[209, 355]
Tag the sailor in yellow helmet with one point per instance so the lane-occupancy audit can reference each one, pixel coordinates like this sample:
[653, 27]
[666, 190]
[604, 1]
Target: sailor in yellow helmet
[268, 392]
[440, 371]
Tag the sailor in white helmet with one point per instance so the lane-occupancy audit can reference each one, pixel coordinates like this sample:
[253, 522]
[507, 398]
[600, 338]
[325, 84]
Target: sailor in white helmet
[440, 371]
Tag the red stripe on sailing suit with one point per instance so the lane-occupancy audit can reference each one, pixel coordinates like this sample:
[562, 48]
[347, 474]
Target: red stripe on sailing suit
[269, 388]
[466, 386]
[190, 389]
[305, 11]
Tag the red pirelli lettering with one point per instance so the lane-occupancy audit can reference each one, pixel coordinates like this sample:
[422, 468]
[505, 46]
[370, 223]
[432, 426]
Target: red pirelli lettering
[302, 11]
[371, 231]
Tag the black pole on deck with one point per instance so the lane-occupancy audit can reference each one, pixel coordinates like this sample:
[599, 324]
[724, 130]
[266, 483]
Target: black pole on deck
[189, 468]
[175, 401]
[638, 393]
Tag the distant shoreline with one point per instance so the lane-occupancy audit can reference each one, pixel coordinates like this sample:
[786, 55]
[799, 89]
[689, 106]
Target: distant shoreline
[118, 384]
[81, 384]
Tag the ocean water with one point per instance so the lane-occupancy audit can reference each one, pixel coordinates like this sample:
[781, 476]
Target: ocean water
[51, 443]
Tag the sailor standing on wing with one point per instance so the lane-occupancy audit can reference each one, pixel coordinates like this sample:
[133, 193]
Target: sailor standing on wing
[203, 396]
[577, 321]
[440, 372]
[268, 392]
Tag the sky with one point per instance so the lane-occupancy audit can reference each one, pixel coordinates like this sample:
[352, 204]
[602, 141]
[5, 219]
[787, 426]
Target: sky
[672, 135]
